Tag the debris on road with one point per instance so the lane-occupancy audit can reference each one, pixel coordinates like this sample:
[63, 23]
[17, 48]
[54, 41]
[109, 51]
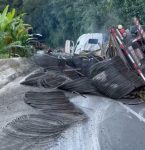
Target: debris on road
[118, 75]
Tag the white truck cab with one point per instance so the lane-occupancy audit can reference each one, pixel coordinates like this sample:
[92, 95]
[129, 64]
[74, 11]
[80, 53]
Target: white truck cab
[87, 42]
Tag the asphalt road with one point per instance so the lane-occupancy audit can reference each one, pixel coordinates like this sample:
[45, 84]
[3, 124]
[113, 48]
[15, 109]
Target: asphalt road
[111, 124]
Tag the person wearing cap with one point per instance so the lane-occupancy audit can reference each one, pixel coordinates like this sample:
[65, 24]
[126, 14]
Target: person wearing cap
[122, 30]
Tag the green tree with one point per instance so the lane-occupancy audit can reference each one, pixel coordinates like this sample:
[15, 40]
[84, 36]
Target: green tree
[59, 20]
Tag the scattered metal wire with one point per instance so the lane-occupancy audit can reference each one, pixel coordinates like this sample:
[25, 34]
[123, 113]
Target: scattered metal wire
[84, 63]
[134, 78]
[54, 102]
[113, 79]
[56, 114]
[32, 130]
[111, 83]
[73, 73]
[81, 85]
[138, 94]
[49, 61]
[103, 65]
[48, 79]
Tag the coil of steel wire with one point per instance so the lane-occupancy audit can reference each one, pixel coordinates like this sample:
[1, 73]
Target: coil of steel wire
[49, 79]
[33, 130]
[111, 83]
[82, 86]
[49, 61]
[100, 66]
[54, 102]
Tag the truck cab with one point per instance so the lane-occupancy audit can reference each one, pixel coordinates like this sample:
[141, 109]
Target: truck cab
[89, 42]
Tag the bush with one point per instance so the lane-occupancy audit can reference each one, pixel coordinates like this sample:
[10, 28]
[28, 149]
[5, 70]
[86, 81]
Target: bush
[13, 33]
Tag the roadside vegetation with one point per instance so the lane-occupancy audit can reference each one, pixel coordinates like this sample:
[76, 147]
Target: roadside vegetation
[59, 20]
[13, 34]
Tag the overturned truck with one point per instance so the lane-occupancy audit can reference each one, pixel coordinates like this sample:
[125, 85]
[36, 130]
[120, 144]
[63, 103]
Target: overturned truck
[119, 75]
